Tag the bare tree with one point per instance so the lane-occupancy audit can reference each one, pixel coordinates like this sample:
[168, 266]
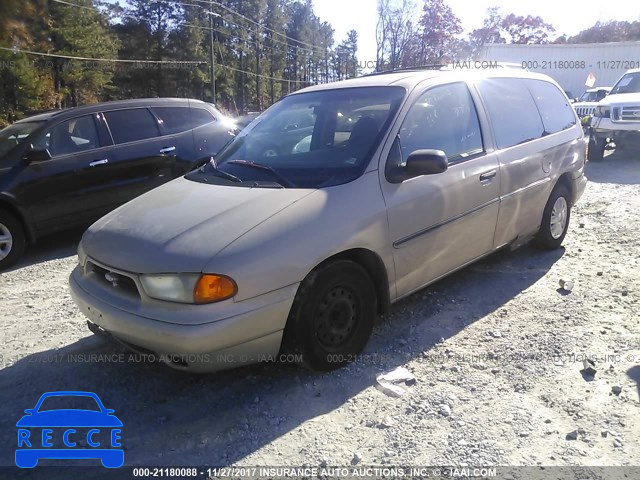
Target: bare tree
[395, 31]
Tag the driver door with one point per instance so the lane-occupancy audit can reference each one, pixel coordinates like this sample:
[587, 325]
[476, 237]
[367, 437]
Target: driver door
[66, 189]
[441, 222]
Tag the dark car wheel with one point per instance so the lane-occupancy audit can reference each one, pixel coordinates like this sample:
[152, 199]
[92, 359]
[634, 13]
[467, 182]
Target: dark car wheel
[332, 316]
[12, 239]
[596, 148]
[555, 219]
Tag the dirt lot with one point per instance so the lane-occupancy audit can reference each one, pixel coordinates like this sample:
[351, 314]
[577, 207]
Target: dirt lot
[496, 350]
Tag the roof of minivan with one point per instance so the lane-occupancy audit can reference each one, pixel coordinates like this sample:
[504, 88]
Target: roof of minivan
[97, 107]
[410, 78]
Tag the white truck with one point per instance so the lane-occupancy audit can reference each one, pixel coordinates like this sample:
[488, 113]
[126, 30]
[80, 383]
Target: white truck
[617, 118]
[588, 101]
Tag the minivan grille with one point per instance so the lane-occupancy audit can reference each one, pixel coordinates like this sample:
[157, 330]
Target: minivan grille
[115, 280]
[630, 113]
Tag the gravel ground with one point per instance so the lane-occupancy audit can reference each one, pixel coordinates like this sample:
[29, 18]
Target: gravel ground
[496, 351]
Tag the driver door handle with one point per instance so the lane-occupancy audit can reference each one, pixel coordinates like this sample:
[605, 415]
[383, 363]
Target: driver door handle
[488, 176]
[167, 149]
[99, 162]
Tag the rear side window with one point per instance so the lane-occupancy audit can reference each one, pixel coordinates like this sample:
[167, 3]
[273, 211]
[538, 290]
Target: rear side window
[173, 119]
[201, 116]
[514, 115]
[131, 124]
[556, 113]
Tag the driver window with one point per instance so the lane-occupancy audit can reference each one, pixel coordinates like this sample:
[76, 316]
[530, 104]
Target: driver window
[443, 118]
[72, 136]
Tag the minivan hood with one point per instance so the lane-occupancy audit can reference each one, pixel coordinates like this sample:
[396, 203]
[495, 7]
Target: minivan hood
[620, 98]
[182, 225]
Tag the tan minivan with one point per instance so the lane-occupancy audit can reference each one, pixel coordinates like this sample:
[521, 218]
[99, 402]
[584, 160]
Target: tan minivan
[337, 201]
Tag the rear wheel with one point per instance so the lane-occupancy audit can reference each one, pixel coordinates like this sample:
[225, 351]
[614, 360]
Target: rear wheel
[596, 148]
[12, 239]
[555, 219]
[332, 316]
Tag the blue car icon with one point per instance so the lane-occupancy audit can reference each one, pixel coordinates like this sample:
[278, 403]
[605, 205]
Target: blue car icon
[46, 432]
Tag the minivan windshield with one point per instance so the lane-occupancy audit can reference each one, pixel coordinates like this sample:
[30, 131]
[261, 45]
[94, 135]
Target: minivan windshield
[629, 83]
[14, 135]
[308, 140]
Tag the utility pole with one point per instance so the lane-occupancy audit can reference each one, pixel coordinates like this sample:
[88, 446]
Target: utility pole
[213, 60]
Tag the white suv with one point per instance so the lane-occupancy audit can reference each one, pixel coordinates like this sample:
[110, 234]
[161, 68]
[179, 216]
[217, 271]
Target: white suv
[617, 117]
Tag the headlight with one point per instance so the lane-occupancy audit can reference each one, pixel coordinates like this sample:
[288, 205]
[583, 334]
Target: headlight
[602, 111]
[82, 257]
[189, 287]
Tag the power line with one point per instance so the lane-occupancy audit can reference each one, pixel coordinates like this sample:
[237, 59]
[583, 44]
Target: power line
[76, 5]
[249, 29]
[195, 26]
[162, 61]
[212, 2]
[229, 34]
[90, 59]
[115, 60]
[260, 75]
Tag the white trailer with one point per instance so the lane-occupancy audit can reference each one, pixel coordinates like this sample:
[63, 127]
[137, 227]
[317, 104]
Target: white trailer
[571, 65]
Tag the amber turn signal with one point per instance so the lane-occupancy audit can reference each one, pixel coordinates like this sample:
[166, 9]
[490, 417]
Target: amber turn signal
[214, 288]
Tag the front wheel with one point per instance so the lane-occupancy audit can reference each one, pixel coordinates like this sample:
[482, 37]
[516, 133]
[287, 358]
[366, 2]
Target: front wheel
[555, 219]
[332, 316]
[596, 148]
[12, 239]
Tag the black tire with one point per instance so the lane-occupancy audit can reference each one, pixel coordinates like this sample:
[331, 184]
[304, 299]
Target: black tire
[11, 225]
[545, 238]
[332, 316]
[596, 148]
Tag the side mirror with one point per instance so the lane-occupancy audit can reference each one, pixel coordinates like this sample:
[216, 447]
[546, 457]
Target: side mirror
[37, 155]
[426, 162]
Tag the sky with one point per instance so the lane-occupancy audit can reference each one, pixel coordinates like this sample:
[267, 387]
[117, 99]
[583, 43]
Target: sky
[567, 16]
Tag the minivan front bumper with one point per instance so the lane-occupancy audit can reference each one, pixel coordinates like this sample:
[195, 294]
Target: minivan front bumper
[251, 336]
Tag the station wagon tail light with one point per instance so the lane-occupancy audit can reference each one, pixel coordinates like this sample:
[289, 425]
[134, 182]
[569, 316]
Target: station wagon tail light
[214, 288]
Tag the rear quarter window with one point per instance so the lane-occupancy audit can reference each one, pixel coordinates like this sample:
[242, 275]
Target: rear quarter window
[514, 115]
[201, 116]
[173, 119]
[131, 125]
[556, 113]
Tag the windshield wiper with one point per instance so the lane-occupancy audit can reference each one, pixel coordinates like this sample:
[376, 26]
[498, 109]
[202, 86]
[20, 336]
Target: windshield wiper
[285, 181]
[216, 172]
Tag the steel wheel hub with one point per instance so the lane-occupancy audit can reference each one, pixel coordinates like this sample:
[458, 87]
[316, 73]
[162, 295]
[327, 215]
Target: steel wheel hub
[6, 242]
[336, 317]
[559, 217]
